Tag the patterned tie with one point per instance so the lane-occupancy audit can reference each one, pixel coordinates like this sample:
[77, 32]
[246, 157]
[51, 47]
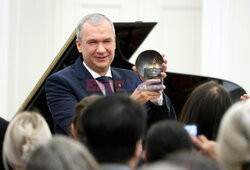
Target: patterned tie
[105, 81]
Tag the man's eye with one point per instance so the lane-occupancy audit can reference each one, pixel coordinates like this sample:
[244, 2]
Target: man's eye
[91, 42]
[107, 41]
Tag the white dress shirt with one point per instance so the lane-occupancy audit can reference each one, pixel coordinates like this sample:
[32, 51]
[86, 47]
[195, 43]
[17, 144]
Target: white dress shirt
[158, 101]
[96, 75]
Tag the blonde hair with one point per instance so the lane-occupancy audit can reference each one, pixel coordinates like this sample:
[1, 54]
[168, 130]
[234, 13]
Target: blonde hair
[234, 137]
[25, 131]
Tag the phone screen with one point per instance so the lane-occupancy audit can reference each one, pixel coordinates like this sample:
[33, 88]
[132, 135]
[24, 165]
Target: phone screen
[191, 129]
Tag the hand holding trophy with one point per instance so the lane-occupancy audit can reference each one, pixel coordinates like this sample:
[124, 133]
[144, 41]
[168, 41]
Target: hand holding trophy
[151, 67]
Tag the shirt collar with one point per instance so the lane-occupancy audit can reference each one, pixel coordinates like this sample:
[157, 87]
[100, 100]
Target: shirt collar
[95, 74]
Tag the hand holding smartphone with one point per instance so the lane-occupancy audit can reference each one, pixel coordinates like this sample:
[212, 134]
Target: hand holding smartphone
[191, 129]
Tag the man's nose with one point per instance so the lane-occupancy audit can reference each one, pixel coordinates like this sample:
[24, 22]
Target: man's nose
[100, 48]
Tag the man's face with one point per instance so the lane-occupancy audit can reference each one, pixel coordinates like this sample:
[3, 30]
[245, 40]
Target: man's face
[97, 46]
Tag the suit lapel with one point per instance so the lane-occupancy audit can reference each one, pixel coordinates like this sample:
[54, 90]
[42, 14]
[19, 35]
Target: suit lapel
[118, 81]
[87, 82]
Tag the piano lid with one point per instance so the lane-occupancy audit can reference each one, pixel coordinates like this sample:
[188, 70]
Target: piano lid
[129, 37]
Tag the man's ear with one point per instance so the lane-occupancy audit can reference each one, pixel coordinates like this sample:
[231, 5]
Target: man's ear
[144, 156]
[133, 162]
[78, 45]
[73, 131]
[138, 149]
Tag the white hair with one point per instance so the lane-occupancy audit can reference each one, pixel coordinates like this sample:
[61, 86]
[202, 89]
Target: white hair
[234, 137]
[25, 131]
[61, 153]
[160, 165]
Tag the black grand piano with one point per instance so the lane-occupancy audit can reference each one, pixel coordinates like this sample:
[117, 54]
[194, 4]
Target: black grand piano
[129, 36]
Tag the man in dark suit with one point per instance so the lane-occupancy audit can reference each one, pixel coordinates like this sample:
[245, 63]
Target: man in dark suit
[92, 74]
[3, 128]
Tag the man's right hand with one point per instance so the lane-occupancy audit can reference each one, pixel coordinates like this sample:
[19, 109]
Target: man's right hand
[208, 147]
[148, 90]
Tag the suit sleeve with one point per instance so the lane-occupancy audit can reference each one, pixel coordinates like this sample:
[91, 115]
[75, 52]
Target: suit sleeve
[157, 113]
[61, 102]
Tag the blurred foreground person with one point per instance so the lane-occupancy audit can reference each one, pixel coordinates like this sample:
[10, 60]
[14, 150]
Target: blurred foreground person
[162, 165]
[234, 138]
[183, 161]
[62, 153]
[77, 130]
[232, 146]
[164, 138]
[114, 126]
[205, 107]
[192, 161]
[24, 133]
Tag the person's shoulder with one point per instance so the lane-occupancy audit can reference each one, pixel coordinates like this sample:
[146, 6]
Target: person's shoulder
[128, 73]
[66, 72]
[123, 70]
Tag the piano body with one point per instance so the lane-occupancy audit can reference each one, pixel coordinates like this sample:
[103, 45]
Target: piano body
[129, 37]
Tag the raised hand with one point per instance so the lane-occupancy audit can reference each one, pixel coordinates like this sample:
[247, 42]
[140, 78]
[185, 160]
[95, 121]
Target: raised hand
[245, 97]
[148, 90]
[206, 146]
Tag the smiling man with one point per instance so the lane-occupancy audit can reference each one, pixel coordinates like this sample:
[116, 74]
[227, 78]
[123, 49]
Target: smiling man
[92, 74]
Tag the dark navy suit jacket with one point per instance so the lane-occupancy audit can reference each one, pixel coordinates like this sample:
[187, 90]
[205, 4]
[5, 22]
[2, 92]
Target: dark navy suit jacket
[65, 88]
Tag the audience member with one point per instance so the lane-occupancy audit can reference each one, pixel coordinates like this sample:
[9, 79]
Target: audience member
[25, 132]
[161, 165]
[183, 161]
[234, 138]
[76, 127]
[206, 146]
[114, 126]
[3, 127]
[164, 138]
[205, 108]
[61, 153]
[191, 161]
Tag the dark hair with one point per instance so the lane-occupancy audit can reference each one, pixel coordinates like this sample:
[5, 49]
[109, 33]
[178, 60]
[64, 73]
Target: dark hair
[113, 125]
[205, 108]
[245, 166]
[166, 137]
[191, 161]
[79, 109]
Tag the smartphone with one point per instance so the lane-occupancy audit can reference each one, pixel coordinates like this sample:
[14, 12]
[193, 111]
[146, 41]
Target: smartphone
[191, 129]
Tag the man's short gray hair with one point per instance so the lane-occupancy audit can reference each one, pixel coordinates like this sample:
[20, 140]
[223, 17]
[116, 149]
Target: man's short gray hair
[93, 19]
